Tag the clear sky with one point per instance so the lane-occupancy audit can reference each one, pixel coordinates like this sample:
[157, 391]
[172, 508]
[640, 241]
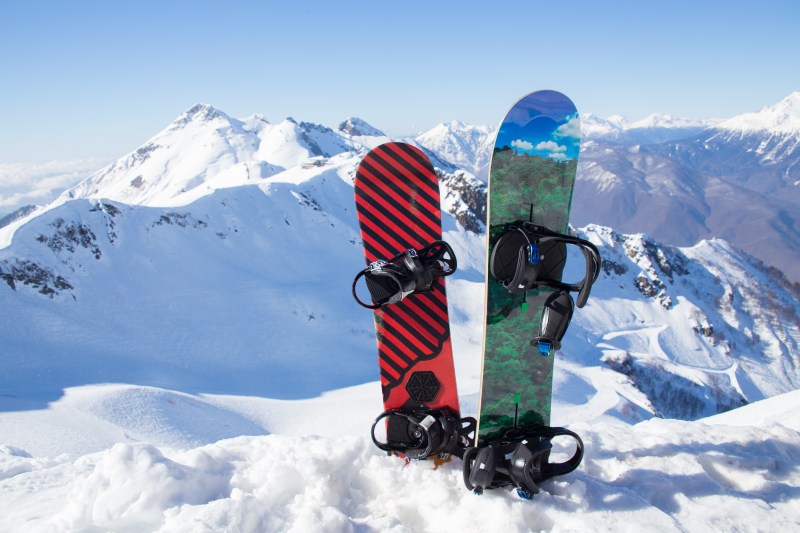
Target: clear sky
[98, 78]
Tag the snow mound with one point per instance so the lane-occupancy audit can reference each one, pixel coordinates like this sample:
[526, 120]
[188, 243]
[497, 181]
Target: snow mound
[668, 474]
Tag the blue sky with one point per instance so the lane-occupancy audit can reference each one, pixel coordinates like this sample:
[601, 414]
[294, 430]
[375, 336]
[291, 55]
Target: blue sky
[98, 78]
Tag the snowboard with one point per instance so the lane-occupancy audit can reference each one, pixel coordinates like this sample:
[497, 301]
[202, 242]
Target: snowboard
[398, 207]
[531, 178]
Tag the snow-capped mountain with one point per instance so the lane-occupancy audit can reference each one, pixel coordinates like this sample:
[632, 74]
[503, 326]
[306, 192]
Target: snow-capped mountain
[203, 150]
[228, 183]
[208, 274]
[783, 117]
[217, 213]
[357, 127]
[465, 146]
[733, 180]
[215, 226]
[654, 128]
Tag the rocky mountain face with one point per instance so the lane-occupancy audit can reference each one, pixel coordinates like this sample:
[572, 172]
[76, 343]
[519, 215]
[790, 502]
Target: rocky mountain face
[697, 330]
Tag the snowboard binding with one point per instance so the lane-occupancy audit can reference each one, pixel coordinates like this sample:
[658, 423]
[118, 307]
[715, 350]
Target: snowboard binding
[519, 458]
[411, 272]
[425, 433]
[528, 256]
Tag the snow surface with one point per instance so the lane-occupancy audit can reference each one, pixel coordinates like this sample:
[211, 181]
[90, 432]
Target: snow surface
[126, 458]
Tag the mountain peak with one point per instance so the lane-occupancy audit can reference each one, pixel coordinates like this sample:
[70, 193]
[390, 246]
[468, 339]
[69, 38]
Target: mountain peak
[359, 128]
[198, 113]
[466, 146]
[782, 117]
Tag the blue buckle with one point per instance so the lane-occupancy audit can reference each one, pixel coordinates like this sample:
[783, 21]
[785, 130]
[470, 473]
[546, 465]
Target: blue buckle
[544, 348]
[533, 253]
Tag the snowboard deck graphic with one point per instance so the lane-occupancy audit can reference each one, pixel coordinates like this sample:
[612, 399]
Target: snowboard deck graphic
[531, 178]
[398, 207]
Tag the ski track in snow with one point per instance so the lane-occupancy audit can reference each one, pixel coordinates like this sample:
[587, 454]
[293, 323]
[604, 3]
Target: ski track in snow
[653, 348]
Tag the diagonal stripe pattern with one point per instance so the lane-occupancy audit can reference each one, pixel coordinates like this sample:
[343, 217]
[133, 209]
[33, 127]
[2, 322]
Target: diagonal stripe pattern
[398, 205]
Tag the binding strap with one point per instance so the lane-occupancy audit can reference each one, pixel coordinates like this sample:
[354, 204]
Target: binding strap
[425, 433]
[520, 458]
[410, 272]
[528, 255]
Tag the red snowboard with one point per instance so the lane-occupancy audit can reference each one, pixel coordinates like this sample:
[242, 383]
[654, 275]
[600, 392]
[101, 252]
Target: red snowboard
[398, 205]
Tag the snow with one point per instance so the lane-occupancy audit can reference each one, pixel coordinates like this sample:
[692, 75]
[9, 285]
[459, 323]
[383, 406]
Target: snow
[309, 465]
[656, 127]
[466, 146]
[167, 391]
[126, 457]
[780, 118]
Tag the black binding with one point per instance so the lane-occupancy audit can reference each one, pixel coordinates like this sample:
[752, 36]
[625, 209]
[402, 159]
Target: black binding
[410, 272]
[528, 255]
[520, 458]
[425, 433]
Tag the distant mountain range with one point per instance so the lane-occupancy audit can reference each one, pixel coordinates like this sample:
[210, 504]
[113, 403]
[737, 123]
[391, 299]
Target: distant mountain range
[737, 179]
[678, 180]
[218, 257]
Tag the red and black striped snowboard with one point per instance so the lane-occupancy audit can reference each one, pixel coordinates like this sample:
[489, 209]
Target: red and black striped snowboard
[398, 206]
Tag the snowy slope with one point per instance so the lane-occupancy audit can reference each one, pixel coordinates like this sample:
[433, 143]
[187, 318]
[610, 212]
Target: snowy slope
[696, 330]
[188, 298]
[175, 297]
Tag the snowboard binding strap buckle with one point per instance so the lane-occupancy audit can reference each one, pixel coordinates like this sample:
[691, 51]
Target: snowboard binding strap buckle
[520, 458]
[425, 433]
[410, 272]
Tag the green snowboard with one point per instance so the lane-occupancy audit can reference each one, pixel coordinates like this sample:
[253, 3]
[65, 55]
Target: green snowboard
[531, 179]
